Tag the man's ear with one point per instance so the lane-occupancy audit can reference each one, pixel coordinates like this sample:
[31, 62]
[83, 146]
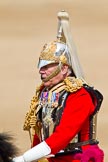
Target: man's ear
[64, 69]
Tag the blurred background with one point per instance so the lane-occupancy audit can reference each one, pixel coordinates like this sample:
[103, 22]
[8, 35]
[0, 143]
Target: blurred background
[25, 26]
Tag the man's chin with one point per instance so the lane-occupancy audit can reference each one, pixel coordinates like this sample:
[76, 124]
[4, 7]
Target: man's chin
[43, 80]
[47, 84]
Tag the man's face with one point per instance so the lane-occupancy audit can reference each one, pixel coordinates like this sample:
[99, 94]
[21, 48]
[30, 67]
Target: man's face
[47, 70]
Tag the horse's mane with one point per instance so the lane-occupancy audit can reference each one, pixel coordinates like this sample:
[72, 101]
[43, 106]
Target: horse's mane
[7, 149]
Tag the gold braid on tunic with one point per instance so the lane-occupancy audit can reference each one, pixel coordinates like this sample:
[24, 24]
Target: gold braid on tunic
[72, 84]
[30, 122]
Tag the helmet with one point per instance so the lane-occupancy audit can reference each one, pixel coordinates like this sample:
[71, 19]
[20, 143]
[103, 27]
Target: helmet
[61, 51]
[54, 52]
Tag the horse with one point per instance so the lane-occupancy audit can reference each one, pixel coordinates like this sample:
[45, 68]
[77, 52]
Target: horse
[7, 149]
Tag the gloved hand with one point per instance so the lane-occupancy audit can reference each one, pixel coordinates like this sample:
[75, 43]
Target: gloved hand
[37, 152]
[18, 159]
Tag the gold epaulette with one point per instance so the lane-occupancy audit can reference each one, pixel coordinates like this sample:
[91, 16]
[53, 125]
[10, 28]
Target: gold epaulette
[72, 84]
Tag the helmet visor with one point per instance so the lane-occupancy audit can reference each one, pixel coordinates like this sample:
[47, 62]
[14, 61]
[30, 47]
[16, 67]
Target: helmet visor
[42, 63]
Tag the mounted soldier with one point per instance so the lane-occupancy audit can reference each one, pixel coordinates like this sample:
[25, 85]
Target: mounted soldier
[62, 117]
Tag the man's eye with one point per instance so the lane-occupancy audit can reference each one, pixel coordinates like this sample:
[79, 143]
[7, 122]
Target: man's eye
[46, 67]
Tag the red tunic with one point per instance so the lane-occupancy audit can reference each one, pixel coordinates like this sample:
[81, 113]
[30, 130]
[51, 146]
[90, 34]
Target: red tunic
[75, 118]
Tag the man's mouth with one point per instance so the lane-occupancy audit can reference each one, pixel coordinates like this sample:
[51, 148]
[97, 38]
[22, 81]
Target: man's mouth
[42, 77]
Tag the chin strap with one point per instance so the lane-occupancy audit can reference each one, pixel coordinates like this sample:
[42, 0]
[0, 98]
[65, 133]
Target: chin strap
[54, 73]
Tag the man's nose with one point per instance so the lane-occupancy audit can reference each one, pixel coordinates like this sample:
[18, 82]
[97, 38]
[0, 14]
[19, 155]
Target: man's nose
[41, 70]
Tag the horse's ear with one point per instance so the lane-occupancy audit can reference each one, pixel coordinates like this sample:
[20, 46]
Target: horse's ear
[7, 149]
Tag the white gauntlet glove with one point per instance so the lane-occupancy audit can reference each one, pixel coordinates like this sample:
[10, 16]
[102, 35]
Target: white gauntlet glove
[37, 152]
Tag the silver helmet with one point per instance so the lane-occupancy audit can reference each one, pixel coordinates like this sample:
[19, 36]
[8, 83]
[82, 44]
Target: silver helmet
[54, 52]
[61, 51]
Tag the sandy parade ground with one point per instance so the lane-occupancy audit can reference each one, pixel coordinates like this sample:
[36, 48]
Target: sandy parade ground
[25, 26]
